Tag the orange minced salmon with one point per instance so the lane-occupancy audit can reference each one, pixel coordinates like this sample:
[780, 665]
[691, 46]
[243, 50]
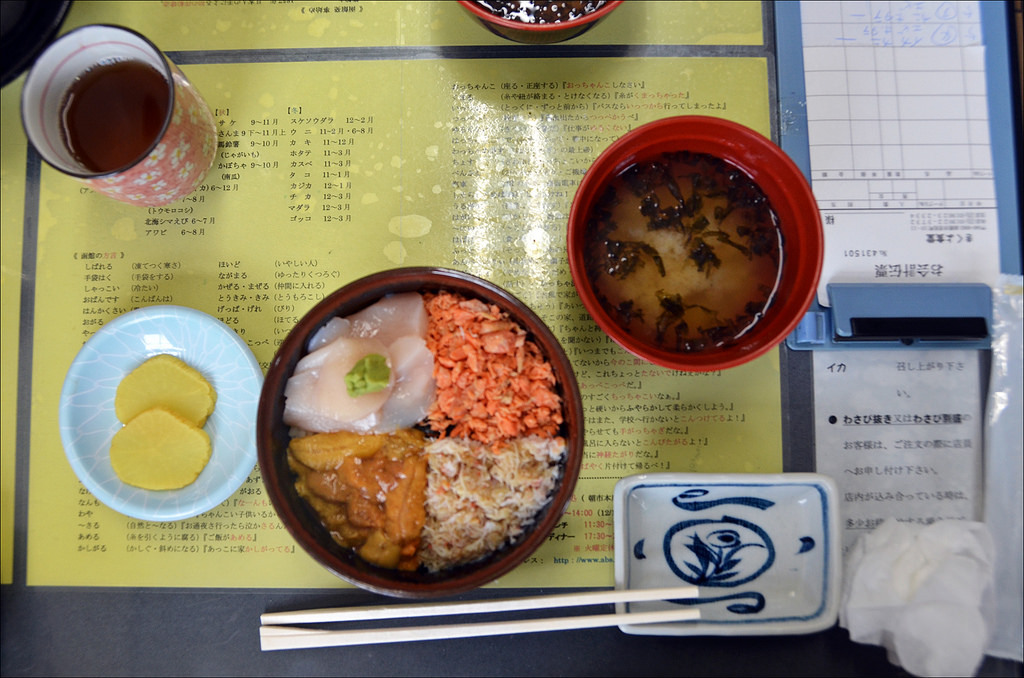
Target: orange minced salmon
[493, 383]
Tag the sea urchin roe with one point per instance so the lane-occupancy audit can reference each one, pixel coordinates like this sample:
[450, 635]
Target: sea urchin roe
[368, 490]
[539, 11]
[493, 383]
[684, 252]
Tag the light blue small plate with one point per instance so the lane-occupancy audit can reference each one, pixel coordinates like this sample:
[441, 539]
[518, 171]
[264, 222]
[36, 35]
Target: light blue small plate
[88, 422]
[763, 550]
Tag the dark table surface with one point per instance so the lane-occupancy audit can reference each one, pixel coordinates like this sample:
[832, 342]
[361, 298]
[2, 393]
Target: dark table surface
[129, 631]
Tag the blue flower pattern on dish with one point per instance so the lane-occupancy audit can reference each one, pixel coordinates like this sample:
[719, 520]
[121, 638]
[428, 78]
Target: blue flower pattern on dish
[761, 553]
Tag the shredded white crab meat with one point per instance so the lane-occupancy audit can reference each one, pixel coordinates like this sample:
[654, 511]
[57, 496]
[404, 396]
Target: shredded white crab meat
[477, 500]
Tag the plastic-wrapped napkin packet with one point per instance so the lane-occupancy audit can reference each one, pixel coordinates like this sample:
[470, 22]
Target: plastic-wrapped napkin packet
[763, 550]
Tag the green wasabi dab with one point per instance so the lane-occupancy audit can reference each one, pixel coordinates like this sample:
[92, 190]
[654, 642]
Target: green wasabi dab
[369, 375]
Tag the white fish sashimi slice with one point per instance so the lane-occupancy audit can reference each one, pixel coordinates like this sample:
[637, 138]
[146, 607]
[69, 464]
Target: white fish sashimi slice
[334, 328]
[316, 396]
[414, 391]
[394, 316]
[300, 414]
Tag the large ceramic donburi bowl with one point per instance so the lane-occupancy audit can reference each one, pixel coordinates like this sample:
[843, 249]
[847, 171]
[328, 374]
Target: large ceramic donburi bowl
[304, 523]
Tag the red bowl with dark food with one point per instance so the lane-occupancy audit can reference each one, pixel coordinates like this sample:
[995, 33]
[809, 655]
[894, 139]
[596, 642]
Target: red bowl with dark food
[389, 493]
[539, 22]
[695, 243]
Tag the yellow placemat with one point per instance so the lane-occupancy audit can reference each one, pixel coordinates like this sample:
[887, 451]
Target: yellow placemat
[464, 163]
[205, 25]
[12, 187]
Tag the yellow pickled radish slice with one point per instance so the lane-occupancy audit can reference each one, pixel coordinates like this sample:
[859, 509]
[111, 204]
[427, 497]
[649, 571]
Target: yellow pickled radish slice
[165, 381]
[159, 450]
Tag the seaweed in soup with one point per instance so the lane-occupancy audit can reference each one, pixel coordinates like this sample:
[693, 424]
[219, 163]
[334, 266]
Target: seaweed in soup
[689, 240]
[541, 12]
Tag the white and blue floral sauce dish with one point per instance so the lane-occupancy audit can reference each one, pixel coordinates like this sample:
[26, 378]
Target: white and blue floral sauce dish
[763, 550]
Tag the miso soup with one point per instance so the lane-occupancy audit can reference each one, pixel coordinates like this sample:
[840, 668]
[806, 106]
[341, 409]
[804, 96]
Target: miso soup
[684, 251]
[541, 12]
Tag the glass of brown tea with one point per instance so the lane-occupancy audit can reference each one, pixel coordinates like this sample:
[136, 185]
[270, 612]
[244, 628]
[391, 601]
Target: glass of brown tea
[104, 105]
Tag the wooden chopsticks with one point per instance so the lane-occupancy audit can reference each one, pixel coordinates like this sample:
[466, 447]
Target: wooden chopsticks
[276, 635]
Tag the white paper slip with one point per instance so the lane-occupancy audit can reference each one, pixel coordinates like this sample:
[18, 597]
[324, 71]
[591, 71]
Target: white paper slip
[900, 154]
[901, 434]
